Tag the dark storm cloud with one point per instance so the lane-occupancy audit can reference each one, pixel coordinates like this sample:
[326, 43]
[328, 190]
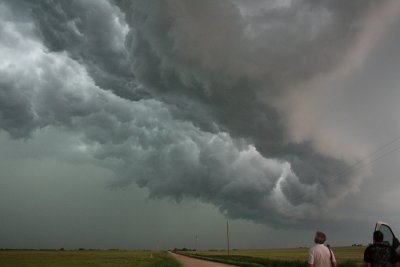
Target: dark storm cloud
[179, 97]
[237, 65]
[92, 32]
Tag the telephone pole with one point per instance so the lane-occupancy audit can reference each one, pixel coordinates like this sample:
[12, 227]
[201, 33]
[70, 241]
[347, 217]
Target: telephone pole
[195, 243]
[227, 234]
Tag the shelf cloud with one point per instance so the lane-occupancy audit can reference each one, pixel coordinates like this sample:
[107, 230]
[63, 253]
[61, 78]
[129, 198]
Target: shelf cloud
[190, 99]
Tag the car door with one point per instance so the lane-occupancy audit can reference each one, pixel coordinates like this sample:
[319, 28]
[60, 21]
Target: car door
[388, 236]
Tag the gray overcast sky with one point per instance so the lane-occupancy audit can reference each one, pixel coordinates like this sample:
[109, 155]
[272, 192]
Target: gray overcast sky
[141, 124]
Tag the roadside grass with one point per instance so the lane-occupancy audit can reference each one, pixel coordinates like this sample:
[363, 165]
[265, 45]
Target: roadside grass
[290, 257]
[87, 258]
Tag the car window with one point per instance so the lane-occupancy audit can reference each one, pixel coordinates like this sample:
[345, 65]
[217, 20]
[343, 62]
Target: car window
[387, 234]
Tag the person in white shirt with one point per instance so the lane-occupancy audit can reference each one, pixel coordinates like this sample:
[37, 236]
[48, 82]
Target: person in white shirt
[320, 255]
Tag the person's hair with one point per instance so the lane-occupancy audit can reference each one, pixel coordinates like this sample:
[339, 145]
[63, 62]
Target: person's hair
[378, 236]
[320, 237]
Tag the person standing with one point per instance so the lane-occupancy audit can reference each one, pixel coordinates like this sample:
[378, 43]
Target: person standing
[379, 254]
[320, 255]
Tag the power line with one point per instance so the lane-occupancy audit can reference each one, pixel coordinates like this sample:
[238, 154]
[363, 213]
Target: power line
[389, 152]
[360, 161]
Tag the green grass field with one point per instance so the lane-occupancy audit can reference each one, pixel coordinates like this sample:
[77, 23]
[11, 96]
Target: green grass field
[86, 259]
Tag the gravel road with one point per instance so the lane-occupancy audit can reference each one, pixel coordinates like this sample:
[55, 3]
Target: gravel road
[191, 262]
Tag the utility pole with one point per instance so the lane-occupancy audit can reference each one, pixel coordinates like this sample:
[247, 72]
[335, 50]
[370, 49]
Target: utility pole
[227, 234]
[195, 243]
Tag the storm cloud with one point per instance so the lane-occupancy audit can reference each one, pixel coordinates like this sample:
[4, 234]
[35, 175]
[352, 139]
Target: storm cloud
[187, 98]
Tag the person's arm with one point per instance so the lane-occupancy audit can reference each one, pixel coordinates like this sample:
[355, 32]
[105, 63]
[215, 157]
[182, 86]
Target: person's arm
[367, 257]
[333, 259]
[395, 257]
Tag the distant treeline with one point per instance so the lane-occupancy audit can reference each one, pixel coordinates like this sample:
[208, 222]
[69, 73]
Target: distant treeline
[63, 249]
[183, 249]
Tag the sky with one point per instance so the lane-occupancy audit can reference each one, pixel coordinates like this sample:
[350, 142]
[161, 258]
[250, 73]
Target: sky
[150, 124]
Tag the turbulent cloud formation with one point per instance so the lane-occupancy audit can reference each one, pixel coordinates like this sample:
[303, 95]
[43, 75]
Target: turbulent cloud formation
[181, 97]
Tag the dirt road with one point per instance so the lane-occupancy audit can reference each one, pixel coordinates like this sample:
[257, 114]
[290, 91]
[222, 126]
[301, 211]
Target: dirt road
[191, 262]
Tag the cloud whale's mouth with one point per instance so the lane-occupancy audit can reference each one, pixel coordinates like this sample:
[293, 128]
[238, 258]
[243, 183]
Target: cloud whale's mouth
[188, 99]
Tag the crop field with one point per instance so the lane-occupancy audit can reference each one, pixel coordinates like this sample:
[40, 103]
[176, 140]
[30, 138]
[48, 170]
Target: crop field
[92, 258]
[293, 257]
[345, 256]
